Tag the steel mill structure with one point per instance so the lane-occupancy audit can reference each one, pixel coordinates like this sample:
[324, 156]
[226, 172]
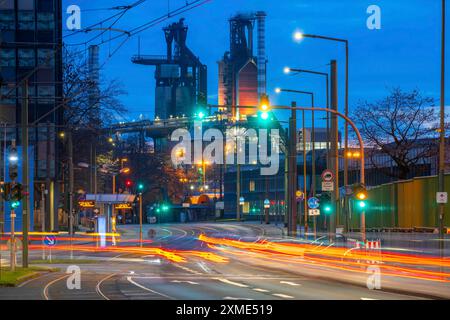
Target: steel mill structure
[242, 75]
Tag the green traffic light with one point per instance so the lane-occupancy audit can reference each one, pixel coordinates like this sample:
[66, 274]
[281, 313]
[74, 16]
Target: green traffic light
[15, 204]
[264, 115]
[165, 208]
[328, 209]
[158, 210]
[362, 204]
[140, 186]
[201, 115]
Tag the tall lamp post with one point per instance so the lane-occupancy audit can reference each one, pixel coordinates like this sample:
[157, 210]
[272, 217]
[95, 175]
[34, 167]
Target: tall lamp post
[313, 153]
[288, 70]
[299, 36]
[442, 134]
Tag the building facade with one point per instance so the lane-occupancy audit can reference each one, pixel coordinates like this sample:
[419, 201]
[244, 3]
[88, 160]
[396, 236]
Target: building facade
[31, 48]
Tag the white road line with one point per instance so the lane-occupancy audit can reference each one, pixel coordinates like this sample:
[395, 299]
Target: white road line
[362, 298]
[97, 287]
[233, 298]
[290, 283]
[284, 296]
[147, 289]
[187, 269]
[231, 282]
[183, 281]
[260, 290]
[45, 291]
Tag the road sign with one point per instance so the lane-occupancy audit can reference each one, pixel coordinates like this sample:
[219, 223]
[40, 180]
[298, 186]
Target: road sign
[314, 212]
[327, 176]
[267, 204]
[123, 206]
[327, 186]
[299, 195]
[442, 197]
[49, 241]
[18, 243]
[241, 200]
[186, 205]
[313, 203]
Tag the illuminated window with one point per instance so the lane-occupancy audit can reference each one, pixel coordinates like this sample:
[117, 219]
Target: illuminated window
[26, 20]
[7, 58]
[252, 186]
[26, 57]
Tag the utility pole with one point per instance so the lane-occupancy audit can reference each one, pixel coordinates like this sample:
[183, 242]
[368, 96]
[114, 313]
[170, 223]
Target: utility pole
[26, 199]
[140, 218]
[305, 198]
[238, 192]
[71, 179]
[442, 135]
[13, 161]
[292, 207]
[335, 148]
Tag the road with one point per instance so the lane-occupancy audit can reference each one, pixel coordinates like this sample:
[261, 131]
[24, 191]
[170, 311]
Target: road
[207, 272]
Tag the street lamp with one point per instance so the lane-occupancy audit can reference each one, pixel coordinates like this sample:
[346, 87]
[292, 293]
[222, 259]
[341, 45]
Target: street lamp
[299, 36]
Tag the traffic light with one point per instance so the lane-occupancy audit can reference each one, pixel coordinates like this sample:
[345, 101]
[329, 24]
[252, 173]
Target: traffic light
[264, 107]
[165, 208]
[140, 187]
[13, 161]
[16, 192]
[325, 202]
[361, 195]
[128, 183]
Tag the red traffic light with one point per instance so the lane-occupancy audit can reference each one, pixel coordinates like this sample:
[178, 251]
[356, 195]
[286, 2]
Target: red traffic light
[128, 183]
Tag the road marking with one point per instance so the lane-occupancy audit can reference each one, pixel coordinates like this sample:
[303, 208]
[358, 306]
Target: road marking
[290, 283]
[362, 298]
[97, 287]
[231, 282]
[260, 290]
[184, 281]
[233, 298]
[284, 296]
[204, 267]
[147, 289]
[187, 269]
[45, 291]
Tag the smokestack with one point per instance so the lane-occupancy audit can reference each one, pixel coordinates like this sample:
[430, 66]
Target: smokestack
[261, 19]
[94, 74]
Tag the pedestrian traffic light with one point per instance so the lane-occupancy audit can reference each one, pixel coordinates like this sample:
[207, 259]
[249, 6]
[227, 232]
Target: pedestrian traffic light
[15, 204]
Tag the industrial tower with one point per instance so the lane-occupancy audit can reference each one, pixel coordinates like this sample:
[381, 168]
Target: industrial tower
[242, 76]
[181, 78]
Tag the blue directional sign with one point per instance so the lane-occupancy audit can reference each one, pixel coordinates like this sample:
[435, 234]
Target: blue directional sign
[50, 241]
[313, 203]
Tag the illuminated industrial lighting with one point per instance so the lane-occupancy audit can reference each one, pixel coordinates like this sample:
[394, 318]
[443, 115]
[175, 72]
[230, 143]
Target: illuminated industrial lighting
[110, 139]
[277, 90]
[125, 170]
[13, 158]
[286, 70]
[62, 135]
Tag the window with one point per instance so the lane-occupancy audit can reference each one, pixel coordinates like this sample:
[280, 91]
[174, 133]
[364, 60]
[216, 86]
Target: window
[46, 57]
[26, 5]
[45, 21]
[7, 99]
[7, 20]
[26, 58]
[26, 20]
[252, 186]
[7, 58]
[7, 4]
[46, 94]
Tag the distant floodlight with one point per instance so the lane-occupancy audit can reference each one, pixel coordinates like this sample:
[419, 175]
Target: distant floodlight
[286, 70]
[298, 36]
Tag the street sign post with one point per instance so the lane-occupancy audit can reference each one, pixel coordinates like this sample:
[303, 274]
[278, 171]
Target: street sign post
[327, 186]
[314, 212]
[299, 195]
[327, 176]
[241, 201]
[266, 204]
[49, 241]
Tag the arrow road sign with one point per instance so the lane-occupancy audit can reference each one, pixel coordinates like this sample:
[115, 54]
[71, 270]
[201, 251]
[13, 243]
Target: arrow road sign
[313, 203]
[50, 241]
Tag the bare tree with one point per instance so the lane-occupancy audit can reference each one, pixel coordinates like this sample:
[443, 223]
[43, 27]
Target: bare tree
[402, 127]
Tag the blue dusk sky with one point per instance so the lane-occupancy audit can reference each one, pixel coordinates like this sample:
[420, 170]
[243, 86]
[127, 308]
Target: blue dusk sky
[404, 53]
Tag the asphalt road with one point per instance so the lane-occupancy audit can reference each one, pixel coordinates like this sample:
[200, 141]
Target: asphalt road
[149, 276]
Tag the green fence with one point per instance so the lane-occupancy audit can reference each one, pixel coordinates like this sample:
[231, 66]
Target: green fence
[405, 204]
